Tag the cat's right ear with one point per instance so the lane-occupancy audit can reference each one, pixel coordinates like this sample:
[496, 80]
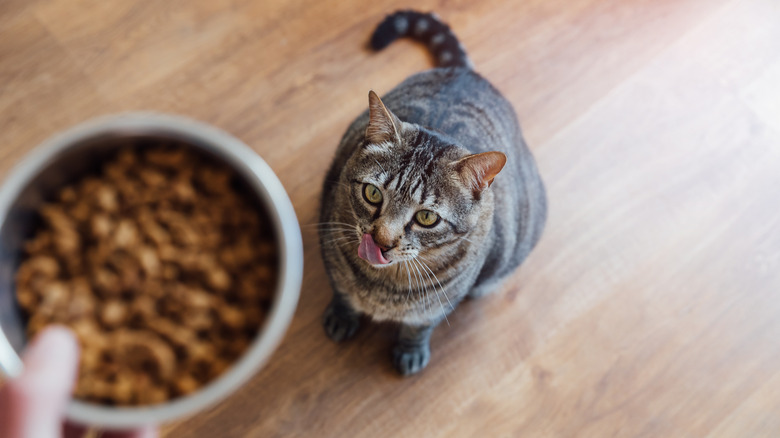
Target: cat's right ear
[383, 125]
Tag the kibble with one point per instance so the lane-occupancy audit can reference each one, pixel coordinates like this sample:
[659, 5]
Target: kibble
[159, 265]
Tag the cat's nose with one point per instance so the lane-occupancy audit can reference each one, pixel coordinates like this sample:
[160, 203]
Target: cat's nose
[382, 244]
[384, 248]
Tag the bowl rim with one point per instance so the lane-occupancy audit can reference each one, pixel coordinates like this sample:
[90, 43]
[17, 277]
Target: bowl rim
[261, 180]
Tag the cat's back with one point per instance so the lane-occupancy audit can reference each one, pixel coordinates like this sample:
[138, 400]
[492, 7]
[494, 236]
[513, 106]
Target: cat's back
[457, 102]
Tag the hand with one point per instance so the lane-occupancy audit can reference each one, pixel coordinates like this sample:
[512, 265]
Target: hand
[33, 404]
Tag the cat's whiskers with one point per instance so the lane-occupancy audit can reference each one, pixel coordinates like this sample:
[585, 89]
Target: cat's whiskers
[443, 312]
[409, 277]
[337, 230]
[426, 301]
[423, 290]
[380, 166]
[467, 240]
[428, 261]
[398, 265]
[342, 235]
[423, 287]
[341, 230]
[419, 284]
[430, 280]
[320, 224]
[341, 241]
[421, 257]
[439, 283]
[330, 227]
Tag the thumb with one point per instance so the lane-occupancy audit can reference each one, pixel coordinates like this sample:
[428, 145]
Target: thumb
[33, 404]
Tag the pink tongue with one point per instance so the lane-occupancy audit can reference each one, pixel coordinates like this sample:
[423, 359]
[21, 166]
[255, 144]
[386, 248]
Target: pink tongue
[369, 251]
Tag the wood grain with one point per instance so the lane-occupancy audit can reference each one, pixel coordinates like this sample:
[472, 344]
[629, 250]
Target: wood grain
[651, 307]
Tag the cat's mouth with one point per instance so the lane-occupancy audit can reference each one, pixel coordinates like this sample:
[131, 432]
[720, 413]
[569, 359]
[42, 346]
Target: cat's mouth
[371, 252]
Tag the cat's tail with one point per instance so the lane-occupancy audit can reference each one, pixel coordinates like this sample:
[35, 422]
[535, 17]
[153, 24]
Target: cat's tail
[426, 28]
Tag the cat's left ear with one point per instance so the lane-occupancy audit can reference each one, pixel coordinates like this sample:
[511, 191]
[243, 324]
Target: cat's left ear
[477, 171]
[383, 125]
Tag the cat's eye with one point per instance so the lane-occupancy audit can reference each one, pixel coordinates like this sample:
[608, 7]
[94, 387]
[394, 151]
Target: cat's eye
[372, 194]
[426, 218]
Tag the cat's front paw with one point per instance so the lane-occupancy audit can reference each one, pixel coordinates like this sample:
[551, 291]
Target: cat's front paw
[410, 360]
[339, 324]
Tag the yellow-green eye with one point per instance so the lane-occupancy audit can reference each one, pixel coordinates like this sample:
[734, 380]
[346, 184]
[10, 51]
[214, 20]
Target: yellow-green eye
[372, 194]
[426, 218]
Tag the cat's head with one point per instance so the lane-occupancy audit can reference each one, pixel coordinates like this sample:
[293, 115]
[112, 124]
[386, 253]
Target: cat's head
[415, 192]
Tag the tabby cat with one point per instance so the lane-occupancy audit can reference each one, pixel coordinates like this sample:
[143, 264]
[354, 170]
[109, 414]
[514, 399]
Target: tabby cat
[415, 215]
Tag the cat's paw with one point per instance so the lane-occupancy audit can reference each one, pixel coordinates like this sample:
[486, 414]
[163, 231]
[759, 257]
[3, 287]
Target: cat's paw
[339, 325]
[410, 360]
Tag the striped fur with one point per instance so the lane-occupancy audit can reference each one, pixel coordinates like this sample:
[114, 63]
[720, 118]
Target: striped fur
[445, 114]
[427, 29]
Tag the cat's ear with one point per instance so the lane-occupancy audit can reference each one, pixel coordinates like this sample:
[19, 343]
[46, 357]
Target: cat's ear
[383, 125]
[477, 171]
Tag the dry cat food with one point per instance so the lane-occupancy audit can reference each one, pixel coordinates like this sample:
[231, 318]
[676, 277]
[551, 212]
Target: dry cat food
[159, 265]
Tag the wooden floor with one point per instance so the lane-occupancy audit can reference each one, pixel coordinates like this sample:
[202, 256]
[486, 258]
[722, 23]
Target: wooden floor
[652, 305]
